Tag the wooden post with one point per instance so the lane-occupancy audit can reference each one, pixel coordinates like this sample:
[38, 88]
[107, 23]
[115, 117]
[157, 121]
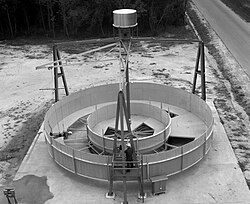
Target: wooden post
[103, 141]
[74, 161]
[52, 148]
[87, 133]
[148, 176]
[142, 188]
[62, 74]
[55, 73]
[200, 60]
[56, 59]
[165, 137]
[196, 68]
[205, 142]
[181, 158]
[203, 81]
[111, 179]
[137, 146]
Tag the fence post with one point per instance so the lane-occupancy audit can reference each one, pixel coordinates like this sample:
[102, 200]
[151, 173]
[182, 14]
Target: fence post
[55, 58]
[203, 80]
[165, 137]
[205, 141]
[62, 73]
[52, 149]
[74, 161]
[148, 175]
[196, 68]
[103, 141]
[182, 158]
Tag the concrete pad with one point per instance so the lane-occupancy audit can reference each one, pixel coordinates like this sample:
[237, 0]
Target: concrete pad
[215, 179]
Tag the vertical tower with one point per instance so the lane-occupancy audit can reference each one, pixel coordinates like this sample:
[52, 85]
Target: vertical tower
[124, 22]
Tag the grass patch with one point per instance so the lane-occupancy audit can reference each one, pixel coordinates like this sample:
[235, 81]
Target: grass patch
[241, 7]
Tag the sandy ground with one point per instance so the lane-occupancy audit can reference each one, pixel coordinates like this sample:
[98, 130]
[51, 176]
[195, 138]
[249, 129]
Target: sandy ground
[23, 105]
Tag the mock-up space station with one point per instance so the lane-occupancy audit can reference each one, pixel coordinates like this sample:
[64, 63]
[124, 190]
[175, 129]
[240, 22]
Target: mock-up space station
[168, 129]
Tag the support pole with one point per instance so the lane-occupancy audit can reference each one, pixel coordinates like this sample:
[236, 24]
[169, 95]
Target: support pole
[103, 142]
[62, 73]
[111, 180]
[127, 121]
[56, 59]
[142, 194]
[123, 148]
[196, 68]
[128, 93]
[200, 60]
[182, 158]
[165, 139]
[203, 80]
[55, 73]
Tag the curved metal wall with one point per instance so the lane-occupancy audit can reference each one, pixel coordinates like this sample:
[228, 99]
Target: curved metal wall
[145, 144]
[96, 166]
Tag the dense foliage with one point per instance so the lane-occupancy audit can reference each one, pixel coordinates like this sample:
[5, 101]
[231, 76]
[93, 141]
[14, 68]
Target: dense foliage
[83, 17]
[241, 7]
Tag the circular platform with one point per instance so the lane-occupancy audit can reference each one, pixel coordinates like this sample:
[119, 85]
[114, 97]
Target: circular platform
[182, 142]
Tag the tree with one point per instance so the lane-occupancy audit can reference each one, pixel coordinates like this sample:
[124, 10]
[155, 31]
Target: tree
[41, 15]
[51, 16]
[5, 8]
[89, 17]
[64, 7]
[24, 8]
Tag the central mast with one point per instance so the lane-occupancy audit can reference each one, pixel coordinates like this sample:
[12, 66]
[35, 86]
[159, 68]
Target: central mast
[124, 21]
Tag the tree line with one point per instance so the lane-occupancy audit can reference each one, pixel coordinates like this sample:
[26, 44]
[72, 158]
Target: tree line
[83, 18]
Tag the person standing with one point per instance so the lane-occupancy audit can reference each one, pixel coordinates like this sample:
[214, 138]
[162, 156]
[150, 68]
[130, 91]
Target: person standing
[129, 156]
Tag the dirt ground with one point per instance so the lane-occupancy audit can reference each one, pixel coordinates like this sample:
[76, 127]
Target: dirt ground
[23, 105]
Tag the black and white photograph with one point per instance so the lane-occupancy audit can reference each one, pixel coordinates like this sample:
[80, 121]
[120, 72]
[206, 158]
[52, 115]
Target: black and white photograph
[124, 101]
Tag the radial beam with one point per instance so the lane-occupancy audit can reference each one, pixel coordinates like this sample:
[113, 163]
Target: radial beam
[44, 66]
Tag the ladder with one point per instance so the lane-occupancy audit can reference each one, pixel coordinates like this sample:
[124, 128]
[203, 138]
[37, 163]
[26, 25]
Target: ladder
[118, 171]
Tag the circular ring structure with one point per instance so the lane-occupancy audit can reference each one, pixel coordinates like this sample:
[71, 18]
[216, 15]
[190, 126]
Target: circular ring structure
[151, 115]
[168, 162]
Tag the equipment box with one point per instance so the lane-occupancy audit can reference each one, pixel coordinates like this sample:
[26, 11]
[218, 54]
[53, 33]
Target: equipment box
[159, 184]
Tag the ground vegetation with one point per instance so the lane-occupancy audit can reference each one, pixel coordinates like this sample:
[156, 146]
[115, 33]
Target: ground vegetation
[241, 7]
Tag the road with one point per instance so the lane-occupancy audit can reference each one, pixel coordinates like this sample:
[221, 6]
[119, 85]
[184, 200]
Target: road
[233, 31]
